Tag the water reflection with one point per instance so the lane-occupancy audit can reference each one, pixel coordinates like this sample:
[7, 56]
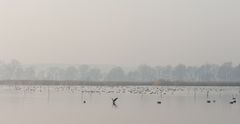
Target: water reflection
[138, 104]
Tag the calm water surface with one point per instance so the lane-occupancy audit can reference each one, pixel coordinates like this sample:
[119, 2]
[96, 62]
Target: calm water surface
[136, 105]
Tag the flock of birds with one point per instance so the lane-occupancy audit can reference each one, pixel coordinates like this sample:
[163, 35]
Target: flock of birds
[144, 90]
[232, 101]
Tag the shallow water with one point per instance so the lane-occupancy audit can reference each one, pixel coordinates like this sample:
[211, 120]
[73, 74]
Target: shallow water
[136, 104]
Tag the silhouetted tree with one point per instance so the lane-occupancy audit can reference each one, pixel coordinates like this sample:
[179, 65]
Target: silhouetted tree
[146, 73]
[94, 74]
[115, 74]
[83, 72]
[224, 72]
[236, 73]
[71, 73]
[179, 72]
[207, 72]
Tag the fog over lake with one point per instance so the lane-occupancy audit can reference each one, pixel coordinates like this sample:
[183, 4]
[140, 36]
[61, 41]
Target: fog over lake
[119, 61]
[135, 104]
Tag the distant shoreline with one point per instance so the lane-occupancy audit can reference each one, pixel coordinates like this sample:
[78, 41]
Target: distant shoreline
[116, 83]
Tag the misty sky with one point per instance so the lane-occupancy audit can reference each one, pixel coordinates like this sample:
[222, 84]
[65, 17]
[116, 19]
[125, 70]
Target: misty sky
[120, 32]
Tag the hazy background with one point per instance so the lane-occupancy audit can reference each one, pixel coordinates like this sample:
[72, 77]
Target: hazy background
[121, 32]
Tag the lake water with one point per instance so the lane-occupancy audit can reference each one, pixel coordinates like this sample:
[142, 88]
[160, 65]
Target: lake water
[135, 105]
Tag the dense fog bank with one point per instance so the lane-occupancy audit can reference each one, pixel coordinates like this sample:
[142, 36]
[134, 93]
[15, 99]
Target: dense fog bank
[14, 70]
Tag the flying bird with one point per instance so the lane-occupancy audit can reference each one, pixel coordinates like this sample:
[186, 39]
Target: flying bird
[114, 100]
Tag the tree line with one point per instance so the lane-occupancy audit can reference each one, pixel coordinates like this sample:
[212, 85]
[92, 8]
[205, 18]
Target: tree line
[14, 70]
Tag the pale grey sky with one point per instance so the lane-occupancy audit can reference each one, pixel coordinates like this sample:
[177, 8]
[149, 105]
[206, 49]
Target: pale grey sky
[120, 32]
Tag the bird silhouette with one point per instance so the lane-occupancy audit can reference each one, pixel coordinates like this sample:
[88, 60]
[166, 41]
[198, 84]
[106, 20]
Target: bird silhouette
[159, 102]
[114, 100]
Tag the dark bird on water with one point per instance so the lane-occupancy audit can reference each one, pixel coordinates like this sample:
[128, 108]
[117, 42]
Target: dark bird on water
[233, 100]
[114, 100]
[159, 102]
